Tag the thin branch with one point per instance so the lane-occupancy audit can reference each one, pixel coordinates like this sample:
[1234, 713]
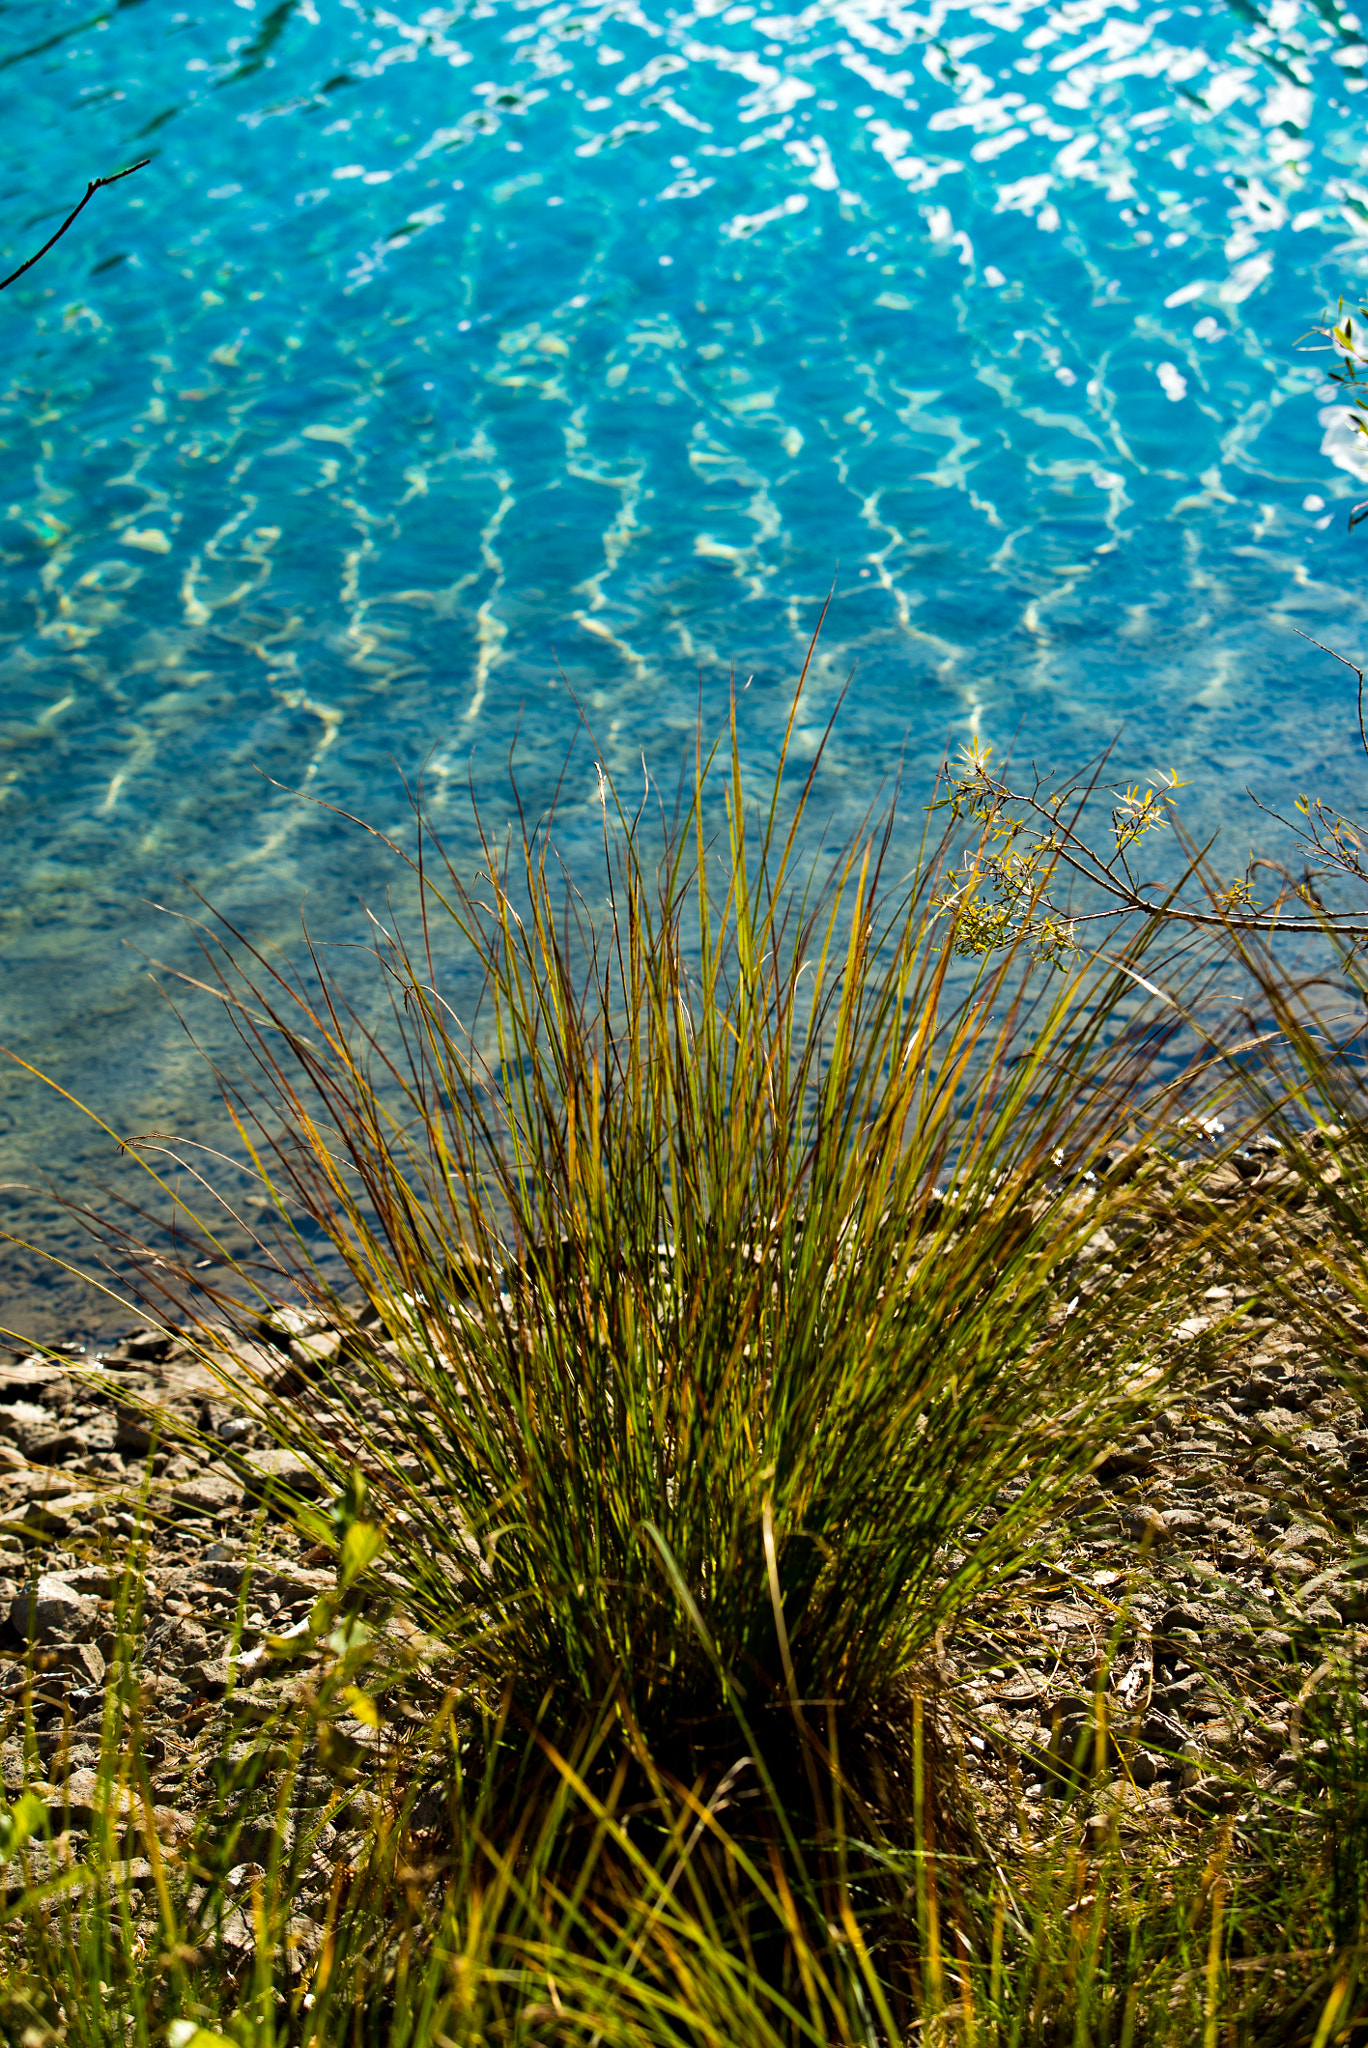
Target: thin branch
[1091, 868]
[1345, 662]
[91, 189]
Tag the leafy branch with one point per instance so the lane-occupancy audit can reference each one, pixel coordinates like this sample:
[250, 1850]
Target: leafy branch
[95, 185]
[1014, 882]
[1353, 375]
[1033, 852]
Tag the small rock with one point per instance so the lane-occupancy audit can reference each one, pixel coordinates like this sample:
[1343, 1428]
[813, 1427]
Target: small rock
[174, 1828]
[206, 1493]
[236, 1934]
[1146, 1525]
[82, 1663]
[1278, 1422]
[303, 1940]
[280, 1326]
[1259, 1388]
[51, 1447]
[228, 1573]
[1136, 1457]
[94, 1581]
[302, 1584]
[1160, 1731]
[269, 1473]
[315, 1354]
[55, 1517]
[1209, 1796]
[192, 1642]
[148, 1345]
[33, 1379]
[1185, 1616]
[82, 1756]
[88, 1797]
[1177, 1698]
[134, 1430]
[258, 1365]
[210, 1675]
[52, 1611]
[1352, 1598]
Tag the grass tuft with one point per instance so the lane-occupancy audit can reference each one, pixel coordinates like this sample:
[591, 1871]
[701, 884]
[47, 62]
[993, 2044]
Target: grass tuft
[693, 1334]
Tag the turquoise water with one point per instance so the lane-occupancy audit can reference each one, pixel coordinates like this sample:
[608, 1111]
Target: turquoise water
[444, 368]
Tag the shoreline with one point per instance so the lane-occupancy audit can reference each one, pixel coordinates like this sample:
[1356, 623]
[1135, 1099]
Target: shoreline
[1219, 1547]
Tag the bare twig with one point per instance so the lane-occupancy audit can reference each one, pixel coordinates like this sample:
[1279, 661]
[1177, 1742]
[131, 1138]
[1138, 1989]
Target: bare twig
[1352, 667]
[91, 189]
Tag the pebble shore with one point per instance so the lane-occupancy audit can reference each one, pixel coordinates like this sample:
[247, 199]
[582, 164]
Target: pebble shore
[1214, 1570]
[1205, 1572]
[135, 1477]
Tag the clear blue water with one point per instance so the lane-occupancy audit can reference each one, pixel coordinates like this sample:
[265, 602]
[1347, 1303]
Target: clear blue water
[444, 367]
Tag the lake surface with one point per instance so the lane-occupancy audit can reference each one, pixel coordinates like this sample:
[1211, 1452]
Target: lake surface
[445, 370]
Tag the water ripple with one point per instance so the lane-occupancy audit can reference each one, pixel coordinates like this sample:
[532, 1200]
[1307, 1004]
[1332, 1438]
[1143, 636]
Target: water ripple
[442, 360]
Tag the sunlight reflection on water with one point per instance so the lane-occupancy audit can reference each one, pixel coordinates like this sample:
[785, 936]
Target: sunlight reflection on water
[442, 371]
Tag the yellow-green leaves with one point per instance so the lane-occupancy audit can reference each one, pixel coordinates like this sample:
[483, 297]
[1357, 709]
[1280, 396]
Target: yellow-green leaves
[1138, 811]
[19, 1823]
[360, 1539]
[188, 2034]
[361, 1706]
[361, 1545]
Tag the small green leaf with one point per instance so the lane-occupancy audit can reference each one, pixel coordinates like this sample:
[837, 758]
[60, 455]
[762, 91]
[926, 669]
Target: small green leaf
[350, 1634]
[350, 1504]
[186, 2034]
[362, 1706]
[20, 1822]
[361, 1545]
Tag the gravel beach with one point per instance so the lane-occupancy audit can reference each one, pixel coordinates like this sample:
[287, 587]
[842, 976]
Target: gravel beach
[1202, 1580]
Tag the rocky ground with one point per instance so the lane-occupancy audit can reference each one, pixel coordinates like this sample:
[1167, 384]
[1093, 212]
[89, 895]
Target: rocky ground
[1213, 1573]
[1205, 1573]
[139, 1504]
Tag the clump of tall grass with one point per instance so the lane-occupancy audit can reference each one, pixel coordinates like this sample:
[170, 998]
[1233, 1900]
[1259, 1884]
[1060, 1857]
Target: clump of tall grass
[453, 1921]
[729, 1295]
[715, 1264]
